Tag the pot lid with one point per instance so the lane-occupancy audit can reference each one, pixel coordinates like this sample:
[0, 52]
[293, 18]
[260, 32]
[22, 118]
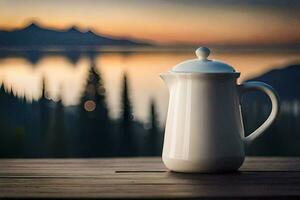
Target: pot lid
[202, 64]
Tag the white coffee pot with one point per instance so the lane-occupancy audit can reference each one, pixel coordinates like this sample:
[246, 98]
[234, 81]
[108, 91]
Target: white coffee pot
[204, 130]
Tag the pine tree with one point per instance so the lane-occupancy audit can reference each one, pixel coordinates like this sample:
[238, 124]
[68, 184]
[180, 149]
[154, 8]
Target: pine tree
[126, 126]
[14, 114]
[93, 98]
[127, 115]
[44, 120]
[94, 116]
[154, 133]
[59, 145]
[4, 135]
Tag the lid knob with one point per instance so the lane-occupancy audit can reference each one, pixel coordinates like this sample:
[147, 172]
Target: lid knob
[202, 53]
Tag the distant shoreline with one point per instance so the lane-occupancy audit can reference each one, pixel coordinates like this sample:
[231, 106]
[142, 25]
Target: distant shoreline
[173, 49]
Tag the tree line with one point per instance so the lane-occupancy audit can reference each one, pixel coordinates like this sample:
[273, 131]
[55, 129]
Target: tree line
[47, 128]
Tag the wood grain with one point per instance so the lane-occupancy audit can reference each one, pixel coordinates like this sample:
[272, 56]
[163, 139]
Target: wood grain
[145, 178]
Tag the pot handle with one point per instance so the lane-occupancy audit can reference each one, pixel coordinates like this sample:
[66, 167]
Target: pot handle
[272, 94]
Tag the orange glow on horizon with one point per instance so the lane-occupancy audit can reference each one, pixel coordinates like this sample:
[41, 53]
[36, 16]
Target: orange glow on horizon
[162, 22]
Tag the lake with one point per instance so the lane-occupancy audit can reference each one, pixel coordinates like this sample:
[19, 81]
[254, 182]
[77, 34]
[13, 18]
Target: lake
[66, 78]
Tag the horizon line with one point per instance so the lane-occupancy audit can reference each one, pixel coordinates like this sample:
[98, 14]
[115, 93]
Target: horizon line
[147, 41]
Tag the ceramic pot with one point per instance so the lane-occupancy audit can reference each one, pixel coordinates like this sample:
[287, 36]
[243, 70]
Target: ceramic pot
[204, 130]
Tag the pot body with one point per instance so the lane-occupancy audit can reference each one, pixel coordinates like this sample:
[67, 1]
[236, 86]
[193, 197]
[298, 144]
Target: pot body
[204, 131]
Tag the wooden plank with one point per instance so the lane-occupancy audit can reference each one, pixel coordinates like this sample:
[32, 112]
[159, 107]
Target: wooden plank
[144, 178]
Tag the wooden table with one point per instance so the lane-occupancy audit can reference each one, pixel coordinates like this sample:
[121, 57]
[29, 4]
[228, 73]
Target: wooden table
[145, 178]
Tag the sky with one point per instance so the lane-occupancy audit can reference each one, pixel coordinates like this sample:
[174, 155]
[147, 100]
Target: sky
[223, 22]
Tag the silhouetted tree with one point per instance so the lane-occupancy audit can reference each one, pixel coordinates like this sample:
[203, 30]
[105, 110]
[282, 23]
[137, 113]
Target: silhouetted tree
[94, 115]
[127, 147]
[45, 120]
[154, 139]
[13, 122]
[32, 140]
[59, 145]
[4, 129]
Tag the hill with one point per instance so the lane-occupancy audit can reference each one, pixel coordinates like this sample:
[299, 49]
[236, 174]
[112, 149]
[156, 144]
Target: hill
[282, 138]
[285, 81]
[36, 36]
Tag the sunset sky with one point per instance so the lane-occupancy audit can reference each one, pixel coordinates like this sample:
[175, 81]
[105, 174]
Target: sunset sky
[210, 21]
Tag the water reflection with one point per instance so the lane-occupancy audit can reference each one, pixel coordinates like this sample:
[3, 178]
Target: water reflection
[24, 78]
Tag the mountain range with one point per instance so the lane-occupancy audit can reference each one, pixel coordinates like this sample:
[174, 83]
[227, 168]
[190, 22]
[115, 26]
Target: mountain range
[285, 81]
[36, 36]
